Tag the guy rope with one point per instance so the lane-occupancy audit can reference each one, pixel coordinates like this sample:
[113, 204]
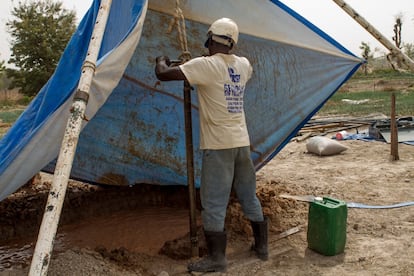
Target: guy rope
[179, 21]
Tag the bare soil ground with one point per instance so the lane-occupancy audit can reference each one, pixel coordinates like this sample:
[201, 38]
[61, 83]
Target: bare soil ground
[379, 241]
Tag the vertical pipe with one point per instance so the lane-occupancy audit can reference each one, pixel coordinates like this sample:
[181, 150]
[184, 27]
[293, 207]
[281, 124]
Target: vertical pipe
[190, 168]
[44, 246]
[394, 131]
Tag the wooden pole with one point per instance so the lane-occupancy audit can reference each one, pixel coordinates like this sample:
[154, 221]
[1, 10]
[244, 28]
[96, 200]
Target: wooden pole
[394, 131]
[190, 168]
[375, 33]
[44, 246]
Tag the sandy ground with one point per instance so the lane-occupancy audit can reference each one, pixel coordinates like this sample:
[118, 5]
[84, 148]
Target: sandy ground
[379, 241]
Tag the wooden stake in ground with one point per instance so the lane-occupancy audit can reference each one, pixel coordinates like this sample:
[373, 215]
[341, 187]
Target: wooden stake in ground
[44, 246]
[394, 131]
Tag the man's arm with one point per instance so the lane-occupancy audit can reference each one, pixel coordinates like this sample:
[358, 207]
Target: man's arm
[165, 72]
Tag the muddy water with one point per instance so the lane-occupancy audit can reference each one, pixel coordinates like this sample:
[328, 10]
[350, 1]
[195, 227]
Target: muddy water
[143, 230]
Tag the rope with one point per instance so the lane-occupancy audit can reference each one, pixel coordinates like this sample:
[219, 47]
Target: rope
[179, 21]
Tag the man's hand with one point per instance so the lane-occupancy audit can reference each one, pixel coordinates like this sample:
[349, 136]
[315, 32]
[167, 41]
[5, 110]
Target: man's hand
[165, 72]
[161, 59]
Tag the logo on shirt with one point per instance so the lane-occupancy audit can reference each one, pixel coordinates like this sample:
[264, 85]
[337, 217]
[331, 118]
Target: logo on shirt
[233, 76]
[234, 92]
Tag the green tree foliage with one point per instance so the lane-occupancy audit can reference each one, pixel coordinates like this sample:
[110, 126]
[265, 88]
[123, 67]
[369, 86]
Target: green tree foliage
[366, 51]
[366, 54]
[40, 32]
[409, 49]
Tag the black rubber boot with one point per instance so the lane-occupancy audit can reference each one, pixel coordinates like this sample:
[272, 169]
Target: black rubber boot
[260, 230]
[215, 261]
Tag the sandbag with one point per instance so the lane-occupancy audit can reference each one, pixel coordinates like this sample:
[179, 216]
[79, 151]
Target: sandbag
[324, 146]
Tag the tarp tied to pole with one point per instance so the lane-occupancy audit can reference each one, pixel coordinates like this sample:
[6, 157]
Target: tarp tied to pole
[135, 128]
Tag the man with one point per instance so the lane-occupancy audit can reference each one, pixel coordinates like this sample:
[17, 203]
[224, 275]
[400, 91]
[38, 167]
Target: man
[221, 78]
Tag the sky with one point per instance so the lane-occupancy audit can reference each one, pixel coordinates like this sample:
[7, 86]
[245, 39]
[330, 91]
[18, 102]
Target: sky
[325, 14]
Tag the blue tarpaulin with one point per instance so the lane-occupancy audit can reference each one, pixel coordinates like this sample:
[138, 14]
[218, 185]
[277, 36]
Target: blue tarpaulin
[135, 128]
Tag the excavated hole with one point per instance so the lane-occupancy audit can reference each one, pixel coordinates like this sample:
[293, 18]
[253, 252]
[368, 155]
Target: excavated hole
[113, 220]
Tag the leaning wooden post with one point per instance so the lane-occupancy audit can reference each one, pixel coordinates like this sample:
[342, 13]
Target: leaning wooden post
[44, 246]
[375, 33]
[394, 131]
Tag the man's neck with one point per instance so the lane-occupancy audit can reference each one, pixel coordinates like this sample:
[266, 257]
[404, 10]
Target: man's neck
[217, 48]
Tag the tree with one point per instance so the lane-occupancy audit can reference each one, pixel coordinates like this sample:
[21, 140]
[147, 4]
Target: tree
[366, 54]
[409, 49]
[40, 32]
[2, 74]
[397, 41]
[397, 30]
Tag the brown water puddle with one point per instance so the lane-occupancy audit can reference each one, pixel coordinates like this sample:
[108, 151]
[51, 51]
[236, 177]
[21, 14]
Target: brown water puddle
[144, 230]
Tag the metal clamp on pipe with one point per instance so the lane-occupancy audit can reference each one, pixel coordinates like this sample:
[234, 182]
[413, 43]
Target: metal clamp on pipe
[89, 64]
[81, 95]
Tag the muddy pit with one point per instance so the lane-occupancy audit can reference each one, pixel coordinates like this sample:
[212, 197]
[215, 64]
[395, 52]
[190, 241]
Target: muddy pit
[110, 220]
[139, 219]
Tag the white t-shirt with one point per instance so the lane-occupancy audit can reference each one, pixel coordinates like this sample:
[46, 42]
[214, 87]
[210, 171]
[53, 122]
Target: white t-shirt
[220, 81]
